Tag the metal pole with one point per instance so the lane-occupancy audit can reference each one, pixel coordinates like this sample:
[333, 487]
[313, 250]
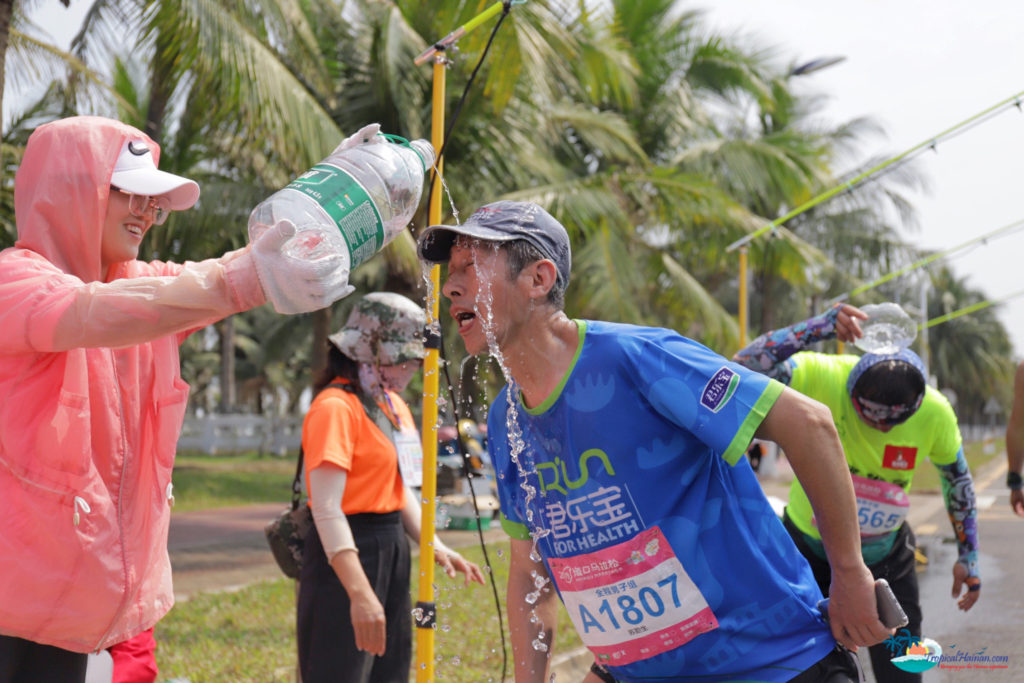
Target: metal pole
[427, 612]
[742, 313]
[925, 350]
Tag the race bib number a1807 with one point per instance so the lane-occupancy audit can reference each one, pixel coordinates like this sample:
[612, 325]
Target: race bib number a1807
[633, 600]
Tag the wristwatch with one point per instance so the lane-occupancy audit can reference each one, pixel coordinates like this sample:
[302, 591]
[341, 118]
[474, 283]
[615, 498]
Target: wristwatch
[1014, 481]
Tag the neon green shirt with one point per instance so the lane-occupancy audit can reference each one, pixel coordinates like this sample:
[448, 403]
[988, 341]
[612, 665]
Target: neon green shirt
[892, 456]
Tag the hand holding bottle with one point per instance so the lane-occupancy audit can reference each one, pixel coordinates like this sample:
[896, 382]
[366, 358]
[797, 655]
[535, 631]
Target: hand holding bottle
[292, 283]
[353, 202]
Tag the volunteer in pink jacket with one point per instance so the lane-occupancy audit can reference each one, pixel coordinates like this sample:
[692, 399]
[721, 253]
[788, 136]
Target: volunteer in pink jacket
[91, 397]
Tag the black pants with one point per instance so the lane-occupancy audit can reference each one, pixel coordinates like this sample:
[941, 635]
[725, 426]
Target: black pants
[23, 661]
[838, 666]
[326, 640]
[898, 569]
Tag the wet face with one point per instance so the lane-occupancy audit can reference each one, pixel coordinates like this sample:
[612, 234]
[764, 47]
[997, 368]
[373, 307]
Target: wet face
[484, 301]
[122, 231]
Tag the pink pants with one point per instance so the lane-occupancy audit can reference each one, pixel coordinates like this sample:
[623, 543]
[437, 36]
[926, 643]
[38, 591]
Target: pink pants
[135, 659]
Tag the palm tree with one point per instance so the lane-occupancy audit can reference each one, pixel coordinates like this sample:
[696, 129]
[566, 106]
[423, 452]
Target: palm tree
[655, 143]
[970, 354]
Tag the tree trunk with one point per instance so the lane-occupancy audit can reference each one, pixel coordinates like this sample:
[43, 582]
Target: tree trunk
[321, 328]
[6, 10]
[228, 397]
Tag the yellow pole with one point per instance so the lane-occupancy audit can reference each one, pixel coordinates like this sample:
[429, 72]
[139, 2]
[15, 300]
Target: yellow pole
[743, 297]
[431, 382]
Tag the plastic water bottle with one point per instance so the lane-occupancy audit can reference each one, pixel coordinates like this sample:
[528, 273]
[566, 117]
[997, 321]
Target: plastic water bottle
[351, 204]
[888, 329]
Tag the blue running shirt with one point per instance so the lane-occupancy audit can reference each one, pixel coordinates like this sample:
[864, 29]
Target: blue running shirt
[664, 549]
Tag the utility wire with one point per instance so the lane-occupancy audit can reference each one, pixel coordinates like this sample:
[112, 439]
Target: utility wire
[1016, 225]
[930, 143]
[968, 309]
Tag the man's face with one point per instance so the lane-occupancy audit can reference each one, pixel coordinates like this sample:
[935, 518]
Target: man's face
[483, 299]
[880, 416]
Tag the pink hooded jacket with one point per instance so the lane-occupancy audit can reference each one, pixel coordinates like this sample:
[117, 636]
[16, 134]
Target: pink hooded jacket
[91, 398]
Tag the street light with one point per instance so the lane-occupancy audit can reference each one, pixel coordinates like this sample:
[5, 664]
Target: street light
[816, 65]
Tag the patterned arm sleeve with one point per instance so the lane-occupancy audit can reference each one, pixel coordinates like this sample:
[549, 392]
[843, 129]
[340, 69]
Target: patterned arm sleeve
[768, 353]
[958, 490]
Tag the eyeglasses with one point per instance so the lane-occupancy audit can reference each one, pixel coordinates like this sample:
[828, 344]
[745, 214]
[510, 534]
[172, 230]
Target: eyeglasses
[883, 414]
[140, 204]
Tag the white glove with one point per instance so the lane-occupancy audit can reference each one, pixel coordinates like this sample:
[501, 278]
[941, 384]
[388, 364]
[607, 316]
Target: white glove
[293, 282]
[365, 135]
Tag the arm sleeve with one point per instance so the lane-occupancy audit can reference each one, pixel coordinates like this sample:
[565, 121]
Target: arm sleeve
[769, 353]
[326, 489]
[1015, 425]
[958, 492]
[45, 310]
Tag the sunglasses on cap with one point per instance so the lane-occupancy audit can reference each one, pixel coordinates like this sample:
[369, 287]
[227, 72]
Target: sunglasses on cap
[140, 204]
[879, 413]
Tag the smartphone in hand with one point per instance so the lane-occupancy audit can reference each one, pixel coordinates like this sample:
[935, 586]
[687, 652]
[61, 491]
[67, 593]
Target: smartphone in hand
[890, 613]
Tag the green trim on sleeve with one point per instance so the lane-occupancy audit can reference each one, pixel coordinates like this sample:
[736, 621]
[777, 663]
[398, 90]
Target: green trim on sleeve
[514, 529]
[743, 437]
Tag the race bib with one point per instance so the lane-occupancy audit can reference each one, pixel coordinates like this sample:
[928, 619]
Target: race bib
[881, 505]
[410, 457]
[633, 600]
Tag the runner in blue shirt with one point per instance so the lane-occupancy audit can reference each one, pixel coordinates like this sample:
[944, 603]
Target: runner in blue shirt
[618, 451]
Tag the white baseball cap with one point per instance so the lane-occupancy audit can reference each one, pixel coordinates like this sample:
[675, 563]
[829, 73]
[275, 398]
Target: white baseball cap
[136, 172]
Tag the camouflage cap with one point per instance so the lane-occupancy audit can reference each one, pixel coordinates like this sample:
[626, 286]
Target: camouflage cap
[383, 327]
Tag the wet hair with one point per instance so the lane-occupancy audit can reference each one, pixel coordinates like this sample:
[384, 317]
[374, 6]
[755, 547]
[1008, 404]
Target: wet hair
[338, 365]
[891, 383]
[519, 254]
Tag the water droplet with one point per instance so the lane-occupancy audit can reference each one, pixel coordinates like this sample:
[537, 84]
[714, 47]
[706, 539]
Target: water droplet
[540, 646]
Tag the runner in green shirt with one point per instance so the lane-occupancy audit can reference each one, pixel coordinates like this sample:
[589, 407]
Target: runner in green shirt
[888, 421]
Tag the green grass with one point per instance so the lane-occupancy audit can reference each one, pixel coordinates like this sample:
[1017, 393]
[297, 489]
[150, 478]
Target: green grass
[978, 454]
[212, 481]
[236, 637]
[249, 635]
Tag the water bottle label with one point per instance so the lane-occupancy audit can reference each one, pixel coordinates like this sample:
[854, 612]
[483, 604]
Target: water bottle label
[348, 204]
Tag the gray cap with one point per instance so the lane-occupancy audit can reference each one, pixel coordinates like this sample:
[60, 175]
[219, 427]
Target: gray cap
[503, 221]
[383, 327]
